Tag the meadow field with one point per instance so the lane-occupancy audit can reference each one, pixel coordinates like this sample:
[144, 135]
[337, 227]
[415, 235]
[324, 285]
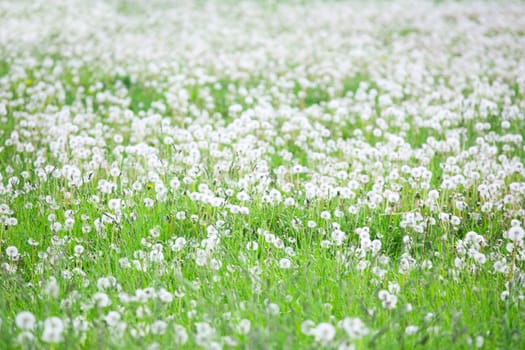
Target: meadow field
[262, 174]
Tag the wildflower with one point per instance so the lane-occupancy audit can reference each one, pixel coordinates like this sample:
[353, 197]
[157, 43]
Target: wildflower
[181, 336]
[411, 330]
[354, 327]
[115, 204]
[323, 332]
[388, 300]
[325, 215]
[516, 233]
[112, 318]
[243, 327]
[479, 341]
[12, 253]
[101, 299]
[25, 320]
[307, 326]
[78, 250]
[53, 328]
[25, 337]
[159, 327]
[285, 263]
[273, 309]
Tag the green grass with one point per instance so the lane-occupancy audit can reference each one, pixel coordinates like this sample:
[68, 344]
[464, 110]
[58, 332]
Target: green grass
[452, 299]
[317, 287]
[4, 68]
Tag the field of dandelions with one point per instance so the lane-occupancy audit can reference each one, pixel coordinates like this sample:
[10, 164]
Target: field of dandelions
[258, 175]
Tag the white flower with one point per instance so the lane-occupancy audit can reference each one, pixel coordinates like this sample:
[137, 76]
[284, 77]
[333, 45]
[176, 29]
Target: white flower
[307, 326]
[78, 250]
[324, 332]
[53, 328]
[101, 299]
[115, 204]
[158, 327]
[112, 318]
[394, 288]
[354, 327]
[25, 337]
[389, 301]
[80, 324]
[516, 233]
[338, 237]
[165, 296]
[25, 320]
[12, 253]
[285, 263]
[243, 327]
[411, 330]
[252, 246]
[205, 333]
[500, 266]
[273, 309]
[51, 288]
[181, 336]
[479, 341]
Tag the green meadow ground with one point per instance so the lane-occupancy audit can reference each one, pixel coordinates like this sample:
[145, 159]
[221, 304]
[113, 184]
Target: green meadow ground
[183, 206]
